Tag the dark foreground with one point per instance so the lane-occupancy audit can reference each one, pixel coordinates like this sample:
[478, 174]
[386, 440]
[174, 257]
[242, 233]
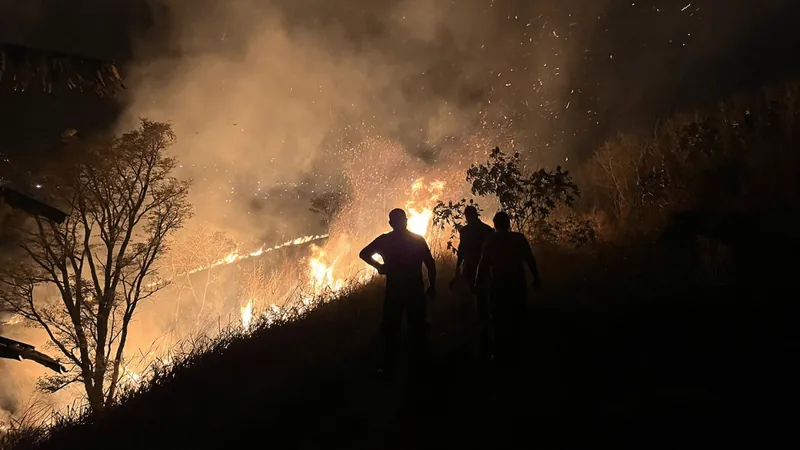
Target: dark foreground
[615, 357]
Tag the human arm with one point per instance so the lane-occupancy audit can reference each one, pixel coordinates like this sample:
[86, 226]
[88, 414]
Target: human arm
[430, 264]
[482, 272]
[371, 249]
[530, 261]
[460, 252]
[459, 259]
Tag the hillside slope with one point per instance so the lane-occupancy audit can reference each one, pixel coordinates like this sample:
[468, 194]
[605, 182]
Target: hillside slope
[609, 336]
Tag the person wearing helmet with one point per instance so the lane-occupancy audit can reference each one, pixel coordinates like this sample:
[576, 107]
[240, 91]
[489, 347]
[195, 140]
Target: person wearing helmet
[403, 254]
[503, 259]
[472, 236]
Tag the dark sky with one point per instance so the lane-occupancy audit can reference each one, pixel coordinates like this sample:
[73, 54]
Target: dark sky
[564, 73]
[629, 61]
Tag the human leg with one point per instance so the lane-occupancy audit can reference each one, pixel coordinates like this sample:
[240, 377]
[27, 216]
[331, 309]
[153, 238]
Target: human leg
[508, 296]
[484, 323]
[418, 330]
[391, 327]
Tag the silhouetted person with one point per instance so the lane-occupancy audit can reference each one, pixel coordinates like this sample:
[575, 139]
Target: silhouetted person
[471, 240]
[504, 256]
[403, 254]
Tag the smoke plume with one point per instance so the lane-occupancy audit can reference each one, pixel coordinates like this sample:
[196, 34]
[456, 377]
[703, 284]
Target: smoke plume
[276, 101]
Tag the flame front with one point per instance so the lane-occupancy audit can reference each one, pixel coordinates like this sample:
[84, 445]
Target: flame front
[247, 315]
[418, 221]
[420, 206]
[234, 256]
[321, 272]
[332, 268]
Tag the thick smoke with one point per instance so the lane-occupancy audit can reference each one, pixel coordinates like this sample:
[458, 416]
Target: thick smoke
[18, 395]
[266, 98]
[273, 101]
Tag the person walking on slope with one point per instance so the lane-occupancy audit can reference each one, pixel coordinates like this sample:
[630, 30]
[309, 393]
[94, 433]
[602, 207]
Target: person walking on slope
[472, 237]
[403, 254]
[502, 262]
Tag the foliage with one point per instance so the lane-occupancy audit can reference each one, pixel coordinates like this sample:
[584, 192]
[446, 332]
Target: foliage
[528, 198]
[199, 246]
[24, 66]
[82, 281]
[201, 353]
[737, 156]
[569, 229]
[330, 204]
[451, 216]
[631, 179]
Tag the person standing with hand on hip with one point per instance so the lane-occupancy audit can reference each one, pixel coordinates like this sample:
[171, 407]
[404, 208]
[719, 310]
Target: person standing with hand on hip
[403, 253]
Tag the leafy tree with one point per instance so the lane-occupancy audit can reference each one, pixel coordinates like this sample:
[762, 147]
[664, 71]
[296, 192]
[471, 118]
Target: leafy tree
[527, 198]
[25, 67]
[330, 204]
[451, 216]
[123, 205]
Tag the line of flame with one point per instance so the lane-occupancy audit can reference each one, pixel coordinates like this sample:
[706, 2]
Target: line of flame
[235, 256]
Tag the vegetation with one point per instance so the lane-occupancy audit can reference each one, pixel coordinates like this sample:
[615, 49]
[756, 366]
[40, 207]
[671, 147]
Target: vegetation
[124, 204]
[625, 326]
[528, 198]
[450, 216]
[329, 204]
[197, 247]
[735, 157]
[24, 68]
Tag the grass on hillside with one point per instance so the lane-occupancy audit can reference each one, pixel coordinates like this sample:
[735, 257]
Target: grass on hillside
[606, 336]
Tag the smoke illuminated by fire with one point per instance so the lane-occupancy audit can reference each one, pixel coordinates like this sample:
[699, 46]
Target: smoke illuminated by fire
[280, 286]
[427, 95]
[336, 266]
[420, 206]
[235, 257]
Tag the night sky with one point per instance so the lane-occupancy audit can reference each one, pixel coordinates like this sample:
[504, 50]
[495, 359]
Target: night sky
[559, 75]
[621, 63]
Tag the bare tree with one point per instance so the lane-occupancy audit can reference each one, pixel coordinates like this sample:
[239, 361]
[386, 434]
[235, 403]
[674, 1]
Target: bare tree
[329, 204]
[192, 262]
[124, 204]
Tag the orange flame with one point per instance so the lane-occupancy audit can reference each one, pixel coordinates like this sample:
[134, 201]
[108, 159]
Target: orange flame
[330, 268]
[420, 206]
[234, 256]
[247, 315]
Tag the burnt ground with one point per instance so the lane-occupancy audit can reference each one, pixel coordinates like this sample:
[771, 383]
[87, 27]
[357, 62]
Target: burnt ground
[616, 355]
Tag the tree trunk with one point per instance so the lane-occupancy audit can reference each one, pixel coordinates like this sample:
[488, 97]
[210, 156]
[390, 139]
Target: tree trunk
[101, 359]
[94, 394]
[114, 382]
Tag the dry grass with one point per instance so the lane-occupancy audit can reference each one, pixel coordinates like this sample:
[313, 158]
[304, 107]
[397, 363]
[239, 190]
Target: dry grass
[200, 354]
[627, 330]
[603, 327]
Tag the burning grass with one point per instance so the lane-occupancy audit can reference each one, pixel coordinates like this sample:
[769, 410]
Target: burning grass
[214, 284]
[202, 353]
[301, 375]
